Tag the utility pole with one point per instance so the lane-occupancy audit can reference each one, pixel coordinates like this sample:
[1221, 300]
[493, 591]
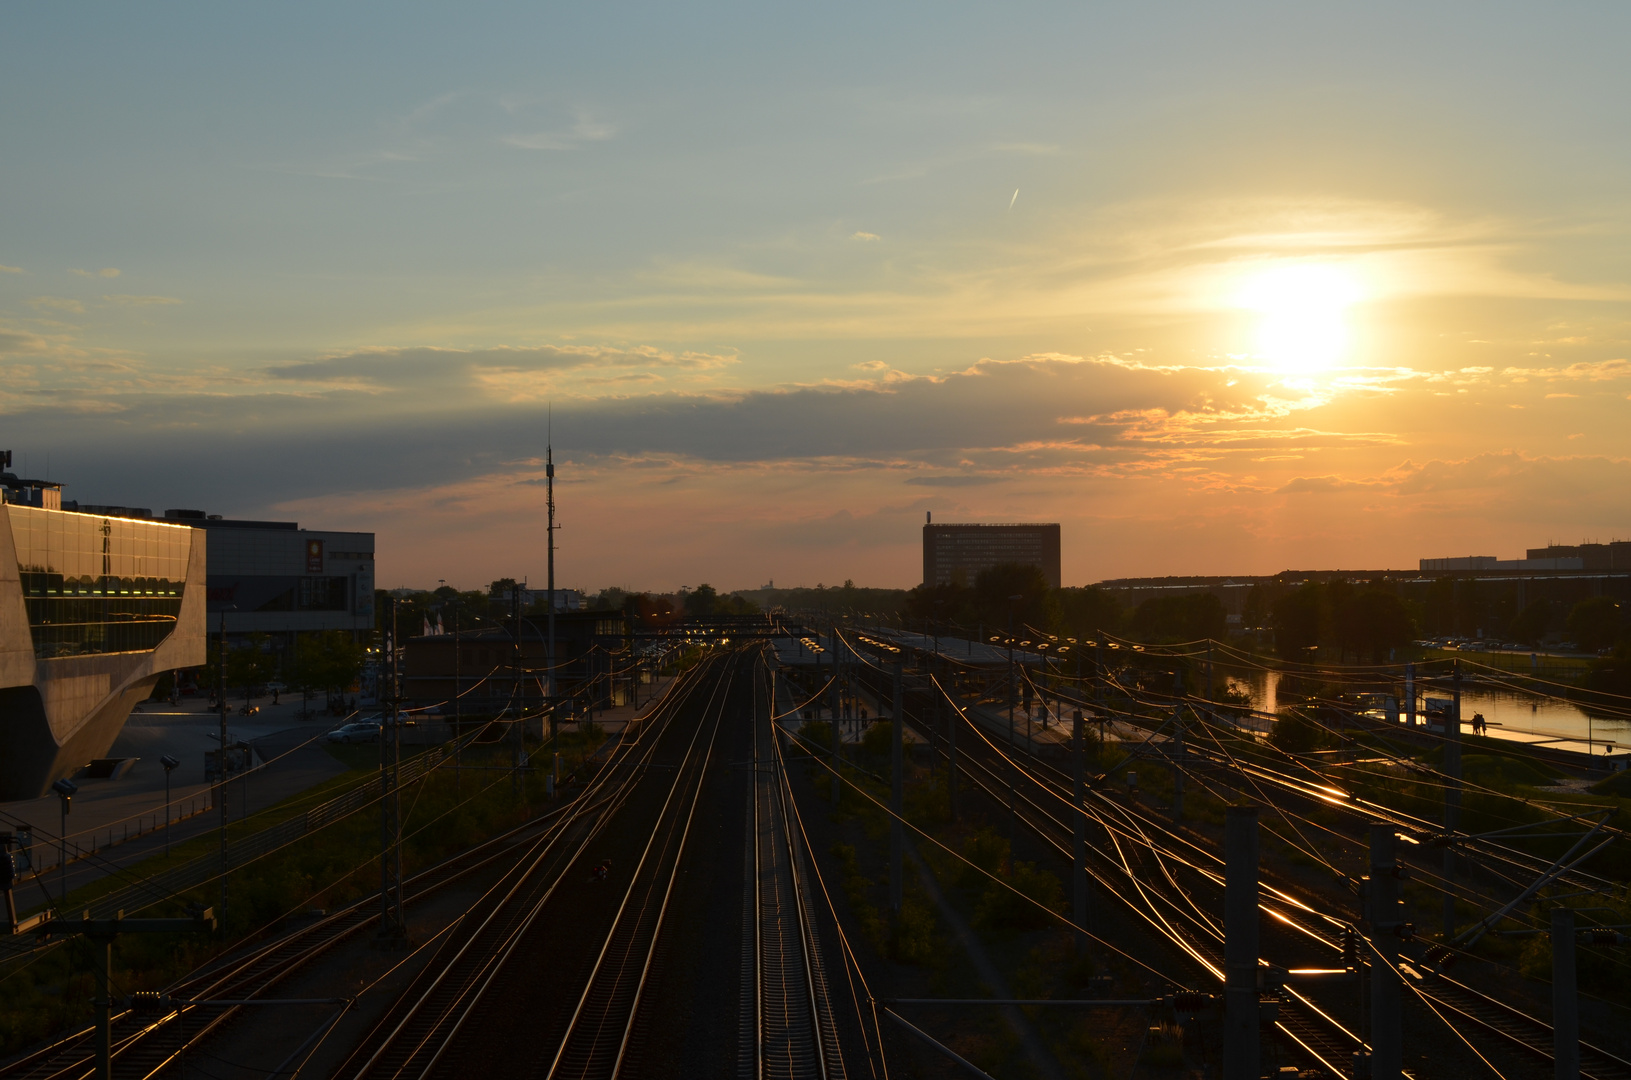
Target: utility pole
[1208, 675]
[517, 732]
[1565, 1000]
[1098, 687]
[1382, 899]
[835, 697]
[549, 660]
[1452, 799]
[458, 700]
[221, 763]
[953, 716]
[393, 932]
[1410, 694]
[1078, 847]
[1241, 1042]
[1178, 749]
[897, 839]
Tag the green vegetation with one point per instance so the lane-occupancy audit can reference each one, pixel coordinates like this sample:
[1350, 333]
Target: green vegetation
[328, 868]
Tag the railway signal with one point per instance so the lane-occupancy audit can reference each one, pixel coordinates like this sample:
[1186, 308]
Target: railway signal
[99, 933]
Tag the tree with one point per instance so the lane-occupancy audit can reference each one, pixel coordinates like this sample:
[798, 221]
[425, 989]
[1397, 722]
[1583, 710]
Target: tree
[1595, 623]
[701, 602]
[329, 661]
[1532, 622]
[1188, 617]
[251, 664]
[941, 604]
[1374, 620]
[1086, 611]
[1296, 618]
[995, 592]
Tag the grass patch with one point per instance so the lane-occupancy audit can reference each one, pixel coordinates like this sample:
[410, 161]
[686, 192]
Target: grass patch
[51, 991]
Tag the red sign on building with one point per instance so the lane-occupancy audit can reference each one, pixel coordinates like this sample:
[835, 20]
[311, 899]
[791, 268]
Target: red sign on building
[314, 556]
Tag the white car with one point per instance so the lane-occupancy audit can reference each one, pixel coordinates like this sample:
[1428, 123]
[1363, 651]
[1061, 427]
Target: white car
[363, 731]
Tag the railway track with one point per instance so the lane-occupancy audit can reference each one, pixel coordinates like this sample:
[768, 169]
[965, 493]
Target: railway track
[144, 1044]
[1136, 868]
[788, 1026]
[1515, 1027]
[414, 1037]
[1294, 915]
[598, 1037]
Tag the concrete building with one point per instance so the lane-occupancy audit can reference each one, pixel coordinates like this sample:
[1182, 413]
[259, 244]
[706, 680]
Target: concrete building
[592, 662]
[277, 579]
[1615, 555]
[958, 552]
[1490, 562]
[273, 577]
[94, 609]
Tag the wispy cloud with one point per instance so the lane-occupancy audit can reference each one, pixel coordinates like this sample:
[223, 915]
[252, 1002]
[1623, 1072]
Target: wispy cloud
[11, 270]
[585, 129]
[56, 303]
[127, 300]
[105, 272]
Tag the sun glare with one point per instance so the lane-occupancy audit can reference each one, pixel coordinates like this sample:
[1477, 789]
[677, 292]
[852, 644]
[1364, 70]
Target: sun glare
[1303, 323]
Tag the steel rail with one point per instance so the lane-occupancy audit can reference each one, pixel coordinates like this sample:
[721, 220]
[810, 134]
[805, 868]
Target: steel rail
[438, 1009]
[261, 969]
[1513, 1024]
[795, 1038]
[605, 994]
[1303, 1030]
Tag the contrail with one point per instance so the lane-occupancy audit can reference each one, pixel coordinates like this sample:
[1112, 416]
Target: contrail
[1015, 199]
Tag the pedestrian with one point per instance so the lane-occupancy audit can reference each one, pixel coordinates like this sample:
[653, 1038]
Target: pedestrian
[274, 695]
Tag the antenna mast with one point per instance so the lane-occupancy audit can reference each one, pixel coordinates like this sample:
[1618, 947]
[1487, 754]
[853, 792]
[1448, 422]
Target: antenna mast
[549, 480]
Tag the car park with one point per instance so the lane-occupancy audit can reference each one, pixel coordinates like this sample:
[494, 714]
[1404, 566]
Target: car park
[360, 731]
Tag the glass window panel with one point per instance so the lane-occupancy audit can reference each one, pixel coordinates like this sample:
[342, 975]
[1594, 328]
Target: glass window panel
[98, 585]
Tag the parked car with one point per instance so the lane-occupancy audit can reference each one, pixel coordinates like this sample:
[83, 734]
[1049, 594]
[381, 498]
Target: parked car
[361, 731]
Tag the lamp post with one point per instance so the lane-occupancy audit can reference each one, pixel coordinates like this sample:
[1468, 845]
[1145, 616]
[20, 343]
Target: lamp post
[169, 764]
[65, 790]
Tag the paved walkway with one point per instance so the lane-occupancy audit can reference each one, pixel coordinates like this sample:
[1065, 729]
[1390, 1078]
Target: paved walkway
[104, 812]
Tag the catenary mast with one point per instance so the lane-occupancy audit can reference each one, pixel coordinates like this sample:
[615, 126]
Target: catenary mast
[549, 480]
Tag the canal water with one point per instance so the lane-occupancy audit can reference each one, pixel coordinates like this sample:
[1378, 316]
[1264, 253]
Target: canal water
[1515, 715]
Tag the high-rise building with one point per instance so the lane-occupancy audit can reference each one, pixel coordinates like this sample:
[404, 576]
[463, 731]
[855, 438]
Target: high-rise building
[958, 552]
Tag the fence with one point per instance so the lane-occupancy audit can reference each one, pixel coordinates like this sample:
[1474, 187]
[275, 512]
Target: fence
[205, 868]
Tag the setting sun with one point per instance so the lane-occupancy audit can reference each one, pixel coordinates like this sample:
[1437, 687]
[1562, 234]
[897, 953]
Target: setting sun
[1303, 308]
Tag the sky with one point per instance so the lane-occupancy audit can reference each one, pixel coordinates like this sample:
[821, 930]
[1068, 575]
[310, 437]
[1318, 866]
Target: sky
[1223, 289]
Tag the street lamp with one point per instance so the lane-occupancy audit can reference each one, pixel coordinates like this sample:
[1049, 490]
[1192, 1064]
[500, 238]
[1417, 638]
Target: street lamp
[65, 789]
[169, 764]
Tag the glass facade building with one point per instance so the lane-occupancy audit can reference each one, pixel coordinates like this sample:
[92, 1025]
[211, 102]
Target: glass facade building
[94, 585]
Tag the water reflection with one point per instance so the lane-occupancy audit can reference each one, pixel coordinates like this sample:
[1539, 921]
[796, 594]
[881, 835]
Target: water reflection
[1513, 715]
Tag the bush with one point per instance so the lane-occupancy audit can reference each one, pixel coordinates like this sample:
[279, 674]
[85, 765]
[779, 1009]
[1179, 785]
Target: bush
[1296, 734]
[988, 851]
[876, 742]
[1023, 906]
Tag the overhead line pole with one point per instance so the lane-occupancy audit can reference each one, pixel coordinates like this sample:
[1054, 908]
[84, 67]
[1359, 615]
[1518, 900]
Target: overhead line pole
[836, 698]
[221, 765]
[1452, 797]
[392, 930]
[897, 839]
[1078, 846]
[549, 660]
